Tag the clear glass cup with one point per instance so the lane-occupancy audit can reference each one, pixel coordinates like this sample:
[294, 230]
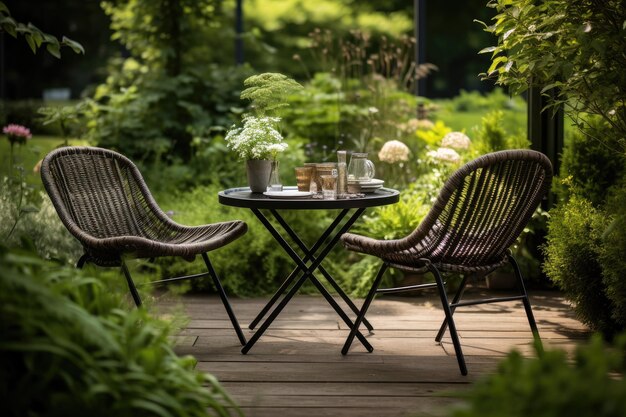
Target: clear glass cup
[329, 187]
[274, 183]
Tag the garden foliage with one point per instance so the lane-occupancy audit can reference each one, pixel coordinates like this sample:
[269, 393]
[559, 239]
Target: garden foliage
[69, 347]
[551, 385]
[572, 50]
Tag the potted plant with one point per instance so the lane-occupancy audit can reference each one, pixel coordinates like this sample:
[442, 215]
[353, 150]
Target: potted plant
[259, 141]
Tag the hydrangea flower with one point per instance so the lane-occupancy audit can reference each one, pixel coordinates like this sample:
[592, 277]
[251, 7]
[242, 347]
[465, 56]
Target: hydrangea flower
[447, 155]
[257, 139]
[17, 133]
[456, 140]
[394, 151]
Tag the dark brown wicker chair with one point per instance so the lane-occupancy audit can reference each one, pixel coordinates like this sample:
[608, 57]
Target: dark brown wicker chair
[104, 202]
[478, 215]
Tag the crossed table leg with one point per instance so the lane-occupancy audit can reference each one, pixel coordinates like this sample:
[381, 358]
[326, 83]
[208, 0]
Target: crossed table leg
[307, 273]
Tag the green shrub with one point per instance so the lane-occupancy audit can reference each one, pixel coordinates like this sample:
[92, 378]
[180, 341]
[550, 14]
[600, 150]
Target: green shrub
[612, 254]
[68, 347]
[30, 219]
[492, 136]
[593, 165]
[550, 385]
[472, 101]
[574, 244]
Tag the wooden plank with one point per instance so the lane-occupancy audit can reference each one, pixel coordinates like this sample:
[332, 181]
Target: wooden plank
[339, 402]
[334, 389]
[423, 410]
[431, 369]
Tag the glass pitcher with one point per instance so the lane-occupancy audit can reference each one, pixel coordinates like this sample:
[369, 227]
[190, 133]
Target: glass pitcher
[360, 168]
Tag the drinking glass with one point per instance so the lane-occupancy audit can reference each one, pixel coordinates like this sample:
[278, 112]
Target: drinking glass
[329, 184]
[303, 178]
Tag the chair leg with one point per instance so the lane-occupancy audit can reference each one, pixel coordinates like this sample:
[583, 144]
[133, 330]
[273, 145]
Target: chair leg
[526, 301]
[222, 293]
[456, 299]
[81, 261]
[446, 308]
[366, 305]
[131, 285]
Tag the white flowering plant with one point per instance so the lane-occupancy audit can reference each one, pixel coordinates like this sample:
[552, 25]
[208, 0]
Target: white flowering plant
[258, 138]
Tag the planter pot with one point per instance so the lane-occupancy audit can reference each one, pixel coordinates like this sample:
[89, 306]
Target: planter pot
[258, 172]
[501, 280]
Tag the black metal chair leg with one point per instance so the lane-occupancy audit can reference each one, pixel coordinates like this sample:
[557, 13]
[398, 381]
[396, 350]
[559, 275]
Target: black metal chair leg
[131, 285]
[525, 300]
[364, 308]
[456, 299]
[227, 306]
[446, 308]
[81, 261]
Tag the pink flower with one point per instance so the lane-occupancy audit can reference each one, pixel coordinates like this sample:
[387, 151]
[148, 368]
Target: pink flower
[17, 133]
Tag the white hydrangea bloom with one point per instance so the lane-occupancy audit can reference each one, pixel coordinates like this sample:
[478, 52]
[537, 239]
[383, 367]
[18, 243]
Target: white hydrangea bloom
[447, 155]
[456, 140]
[394, 151]
[257, 139]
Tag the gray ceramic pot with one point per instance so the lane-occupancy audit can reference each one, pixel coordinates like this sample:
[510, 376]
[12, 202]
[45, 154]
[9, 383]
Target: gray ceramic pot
[258, 171]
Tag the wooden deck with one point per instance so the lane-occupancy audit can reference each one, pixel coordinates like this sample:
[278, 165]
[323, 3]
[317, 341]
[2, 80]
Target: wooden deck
[296, 368]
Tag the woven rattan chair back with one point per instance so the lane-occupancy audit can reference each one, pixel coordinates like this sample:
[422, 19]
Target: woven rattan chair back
[101, 193]
[482, 209]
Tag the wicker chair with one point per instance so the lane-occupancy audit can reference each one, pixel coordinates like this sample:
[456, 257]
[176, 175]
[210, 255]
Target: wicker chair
[104, 202]
[478, 215]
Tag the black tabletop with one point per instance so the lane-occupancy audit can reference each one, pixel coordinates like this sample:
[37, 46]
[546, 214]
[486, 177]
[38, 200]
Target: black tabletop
[243, 197]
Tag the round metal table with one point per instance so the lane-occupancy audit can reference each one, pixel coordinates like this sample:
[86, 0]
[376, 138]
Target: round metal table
[314, 255]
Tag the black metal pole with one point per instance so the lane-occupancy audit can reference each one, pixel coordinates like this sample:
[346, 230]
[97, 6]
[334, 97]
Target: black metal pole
[2, 81]
[545, 132]
[419, 24]
[239, 33]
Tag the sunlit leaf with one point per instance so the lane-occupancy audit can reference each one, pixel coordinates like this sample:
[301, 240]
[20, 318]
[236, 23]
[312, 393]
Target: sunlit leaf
[76, 47]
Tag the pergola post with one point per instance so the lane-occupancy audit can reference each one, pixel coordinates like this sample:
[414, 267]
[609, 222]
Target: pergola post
[545, 131]
[239, 33]
[419, 24]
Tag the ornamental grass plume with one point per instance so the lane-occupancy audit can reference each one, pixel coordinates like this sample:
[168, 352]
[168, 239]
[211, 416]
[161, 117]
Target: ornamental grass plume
[17, 134]
[394, 151]
[456, 140]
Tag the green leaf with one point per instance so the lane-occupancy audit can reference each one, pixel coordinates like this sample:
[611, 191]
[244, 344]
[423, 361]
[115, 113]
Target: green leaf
[488, 49]
[495, 63]
[76, 47]
[29, 209]
[9, 25]
[4, 8]
[54, 50]
[31, 42]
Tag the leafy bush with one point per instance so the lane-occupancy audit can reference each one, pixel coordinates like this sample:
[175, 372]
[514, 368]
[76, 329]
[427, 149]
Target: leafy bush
[574, 244]
[492, 136]
[30, 219]
[149, 116]
[584, 43]
[612, 254]
[69, 348]
[550, 385]
[473, 101]
[593, 165]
